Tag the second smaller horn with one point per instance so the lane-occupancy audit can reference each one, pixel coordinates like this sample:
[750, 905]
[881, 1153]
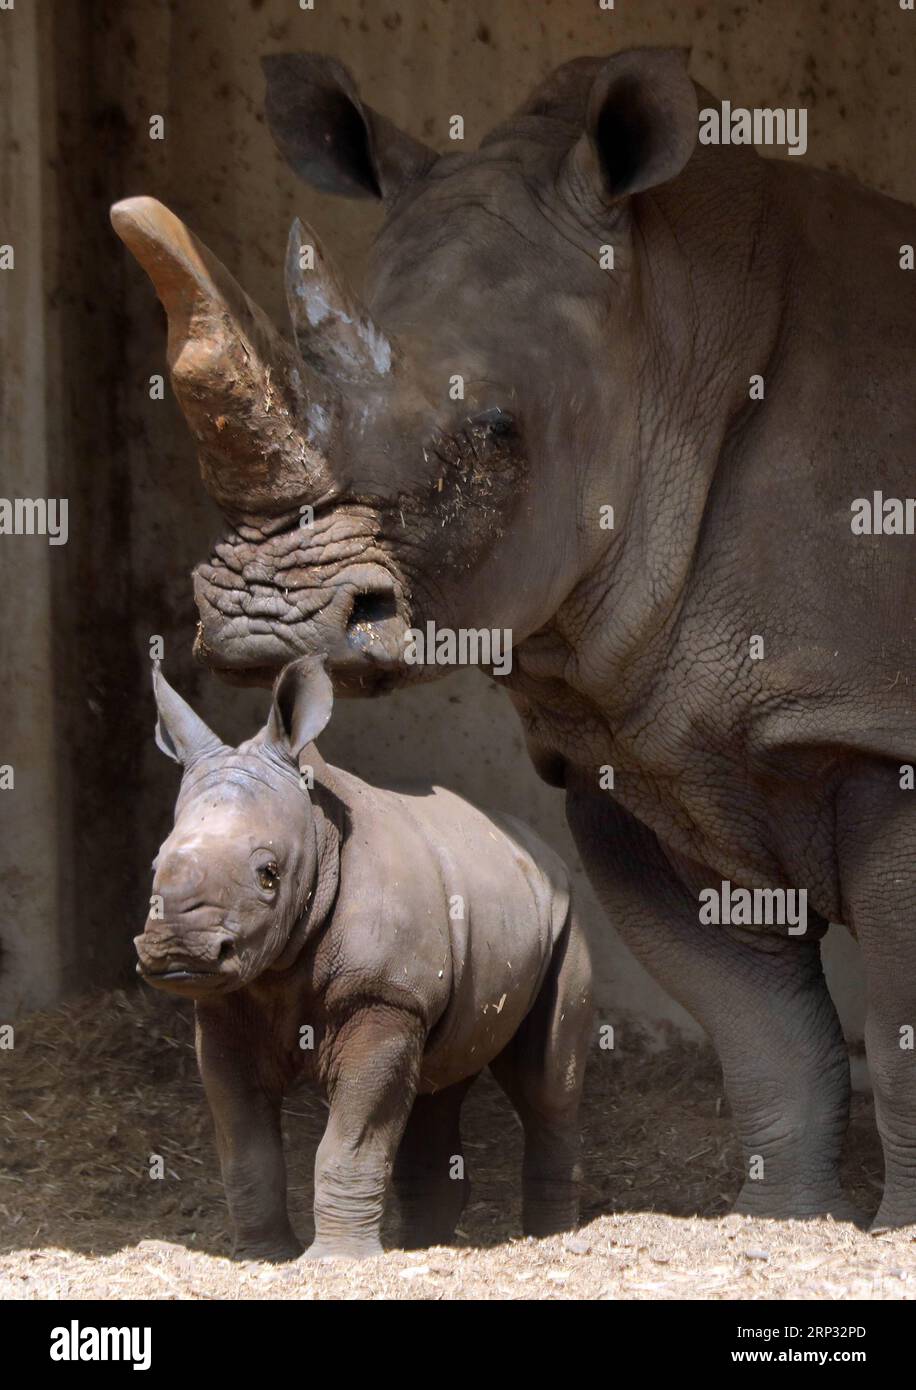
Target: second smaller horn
[334, 333]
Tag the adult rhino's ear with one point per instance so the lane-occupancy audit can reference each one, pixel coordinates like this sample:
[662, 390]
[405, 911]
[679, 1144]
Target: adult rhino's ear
[303, 701]
[180, 733]
[641, 124]
[329, 136]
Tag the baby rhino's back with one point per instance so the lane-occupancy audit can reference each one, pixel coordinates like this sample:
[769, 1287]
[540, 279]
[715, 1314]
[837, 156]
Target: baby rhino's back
[486, 902]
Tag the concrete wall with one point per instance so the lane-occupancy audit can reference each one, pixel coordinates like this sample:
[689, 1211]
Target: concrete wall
[83, 333]
[28, 881]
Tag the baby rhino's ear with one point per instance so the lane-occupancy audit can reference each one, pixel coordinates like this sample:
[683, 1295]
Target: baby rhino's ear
[303, 700]
[180, 733]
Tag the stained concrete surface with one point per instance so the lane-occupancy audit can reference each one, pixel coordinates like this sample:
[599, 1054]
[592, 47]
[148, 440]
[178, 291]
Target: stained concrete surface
[83, 333]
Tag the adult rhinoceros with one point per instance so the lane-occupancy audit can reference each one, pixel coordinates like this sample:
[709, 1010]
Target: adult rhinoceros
[732, 647]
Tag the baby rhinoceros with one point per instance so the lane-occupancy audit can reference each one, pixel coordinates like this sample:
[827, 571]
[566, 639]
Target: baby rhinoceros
[387, 945]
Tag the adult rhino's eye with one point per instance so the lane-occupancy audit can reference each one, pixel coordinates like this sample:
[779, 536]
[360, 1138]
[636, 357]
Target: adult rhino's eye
[269, 877]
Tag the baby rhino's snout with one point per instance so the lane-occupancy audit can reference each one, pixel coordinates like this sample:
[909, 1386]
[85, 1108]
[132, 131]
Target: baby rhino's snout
[185, 945]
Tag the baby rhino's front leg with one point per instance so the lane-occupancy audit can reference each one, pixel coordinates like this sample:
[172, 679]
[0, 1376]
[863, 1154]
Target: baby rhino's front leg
[373, 1068]
[246, 1117]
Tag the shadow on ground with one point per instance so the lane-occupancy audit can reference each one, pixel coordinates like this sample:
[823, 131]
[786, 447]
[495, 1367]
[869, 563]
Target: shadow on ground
[92, 1089]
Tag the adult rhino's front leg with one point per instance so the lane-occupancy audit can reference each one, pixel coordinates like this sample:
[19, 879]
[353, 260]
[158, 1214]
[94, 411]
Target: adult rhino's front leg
[765, 1004]
[876, 834]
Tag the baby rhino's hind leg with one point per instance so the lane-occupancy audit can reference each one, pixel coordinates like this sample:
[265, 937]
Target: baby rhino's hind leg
[429, 1177]
[541, 1071]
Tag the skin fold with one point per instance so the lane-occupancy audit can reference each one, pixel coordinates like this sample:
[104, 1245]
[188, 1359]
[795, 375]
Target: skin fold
[740, 658]
[387, 946]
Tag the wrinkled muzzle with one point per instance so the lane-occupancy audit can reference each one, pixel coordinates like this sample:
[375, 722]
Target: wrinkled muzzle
[186, 945]
[265, 599]
[294, 576]
[190, 957]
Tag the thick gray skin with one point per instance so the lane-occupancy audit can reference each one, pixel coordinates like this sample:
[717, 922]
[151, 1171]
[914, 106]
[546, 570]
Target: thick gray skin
[630, 388]
[410, 993]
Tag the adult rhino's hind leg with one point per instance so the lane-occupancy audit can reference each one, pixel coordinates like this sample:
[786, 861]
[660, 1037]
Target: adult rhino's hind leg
[429, 1179]
[876, 832]
[763, 1001]
[541, 1071]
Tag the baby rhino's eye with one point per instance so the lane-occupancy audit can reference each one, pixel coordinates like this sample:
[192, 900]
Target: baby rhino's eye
[269, 876]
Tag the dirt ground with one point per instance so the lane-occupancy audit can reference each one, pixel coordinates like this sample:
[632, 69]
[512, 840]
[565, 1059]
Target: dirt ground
[92, 1089]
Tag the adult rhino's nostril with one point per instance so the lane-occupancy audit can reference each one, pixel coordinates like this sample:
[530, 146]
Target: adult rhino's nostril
[373, 627]
[374, 630]
[371, 608]
[226, 949]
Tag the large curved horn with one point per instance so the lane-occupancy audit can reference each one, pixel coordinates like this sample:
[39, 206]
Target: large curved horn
[333, 332]
[260, 416]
